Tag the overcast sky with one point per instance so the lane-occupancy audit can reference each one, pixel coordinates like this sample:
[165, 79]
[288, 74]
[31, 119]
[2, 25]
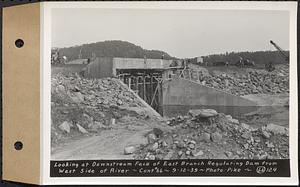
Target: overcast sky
[181, 33]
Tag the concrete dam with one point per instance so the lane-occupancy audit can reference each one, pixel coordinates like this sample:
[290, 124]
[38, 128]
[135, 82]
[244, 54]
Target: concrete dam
[169, 90]
[180, 95]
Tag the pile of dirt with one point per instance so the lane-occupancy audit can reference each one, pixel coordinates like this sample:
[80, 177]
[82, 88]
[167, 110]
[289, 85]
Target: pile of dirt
[254, 81]
[206, 134]
[81, 107]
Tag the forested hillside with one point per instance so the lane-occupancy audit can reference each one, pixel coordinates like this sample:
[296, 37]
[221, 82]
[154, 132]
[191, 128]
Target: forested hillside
[117, 48]
[259, 57]
[113, 48]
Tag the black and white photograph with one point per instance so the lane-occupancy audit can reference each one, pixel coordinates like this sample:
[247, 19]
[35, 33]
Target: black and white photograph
[150, 93]
[163, 84]
[171, 89]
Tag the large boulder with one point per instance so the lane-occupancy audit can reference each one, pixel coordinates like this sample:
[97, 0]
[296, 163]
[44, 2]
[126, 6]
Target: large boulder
[78, 97]
[129, 150]
[216, 137]
[265, 134]
[151, 138]
[81, 129]
[96, 125]
[60, 89]
[206, 137]
[65, 126]
[276, 129]
[202, 113]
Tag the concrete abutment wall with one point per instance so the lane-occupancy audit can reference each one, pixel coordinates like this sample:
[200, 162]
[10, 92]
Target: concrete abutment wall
[180, 91]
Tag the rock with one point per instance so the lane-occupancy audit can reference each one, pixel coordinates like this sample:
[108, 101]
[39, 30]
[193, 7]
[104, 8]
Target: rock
[188, 152]
[180, 118]
[257, 139]
[60, 89]
[246, 146]
[192, 146]
[88, 118]
[263, 156]
[112, 121]
[181, 145]
[202, 113]
[276, 129]
[168, 140]
[119, 102]
[78, 98]
[245, 126]
[158, 132]
[129, 150]
[246, 135]
[216, 137]
[159, 157]
[192, 142]
[99, 125]
[270, 144]
[151, 138]
[235, 121]
[265, 134]
[101, 114]
[65, 126]
[228, 154]
[151, 157]
[164, 144]
[169, 155]
[147, 155]
[81, 129]
[180, 153]
[158, 151]
[154, 146]
[229, 117]
[197, 153]
[206, 137]
[76, 89]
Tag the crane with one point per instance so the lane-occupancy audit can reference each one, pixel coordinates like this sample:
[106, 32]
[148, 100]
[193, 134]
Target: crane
[269, 66]
[286, 57]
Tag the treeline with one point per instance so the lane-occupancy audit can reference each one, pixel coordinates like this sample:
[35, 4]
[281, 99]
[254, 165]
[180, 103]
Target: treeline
[115, 48]
[259, 57]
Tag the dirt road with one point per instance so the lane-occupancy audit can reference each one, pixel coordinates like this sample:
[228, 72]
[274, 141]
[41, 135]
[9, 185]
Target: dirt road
[107, 144]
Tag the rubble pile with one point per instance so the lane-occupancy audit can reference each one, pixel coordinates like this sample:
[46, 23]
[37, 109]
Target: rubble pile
[254, 82]
[206, 134]
[77, 90]
[82, 106]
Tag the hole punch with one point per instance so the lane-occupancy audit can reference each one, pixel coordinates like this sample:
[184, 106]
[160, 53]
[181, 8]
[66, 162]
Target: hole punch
[18, 145]
[19, 43]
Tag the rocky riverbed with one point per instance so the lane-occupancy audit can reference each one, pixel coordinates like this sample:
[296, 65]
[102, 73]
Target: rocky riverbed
[81, 107]
[252, 81]
[206, 134]
[102, 119]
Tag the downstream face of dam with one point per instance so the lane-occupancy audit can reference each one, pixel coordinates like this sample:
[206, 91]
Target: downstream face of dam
[171, 97]
[173, 94]
[171, 91]
[180, 95]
